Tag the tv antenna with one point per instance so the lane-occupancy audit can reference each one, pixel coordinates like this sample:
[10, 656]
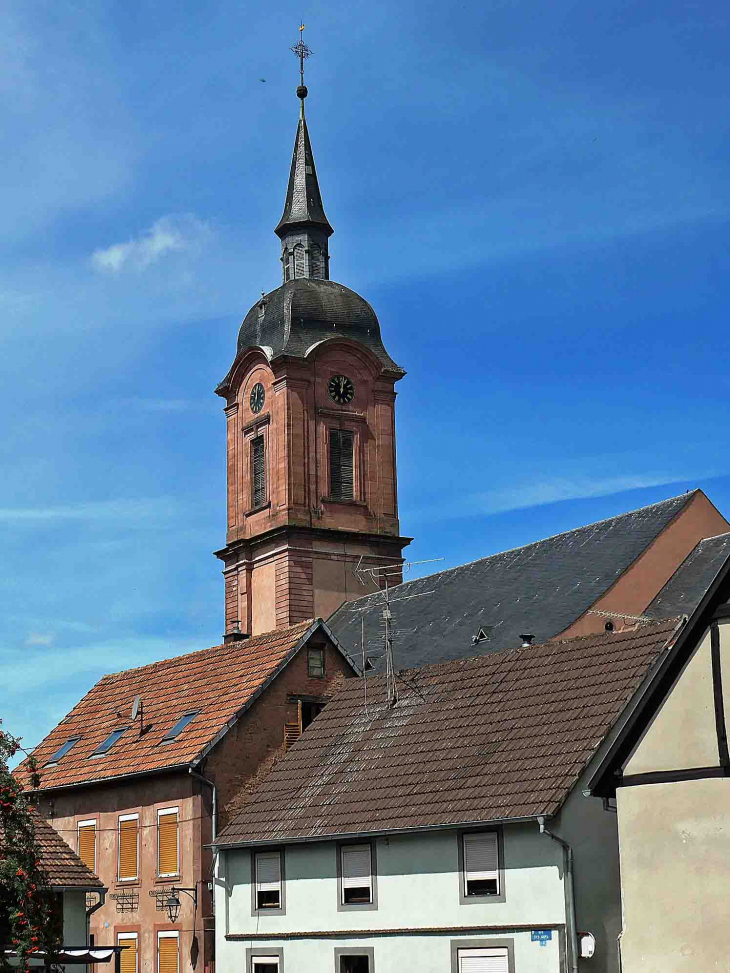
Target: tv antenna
[386, 576]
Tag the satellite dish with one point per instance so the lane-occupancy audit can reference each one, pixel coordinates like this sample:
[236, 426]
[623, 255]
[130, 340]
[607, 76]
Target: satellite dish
[135, 707]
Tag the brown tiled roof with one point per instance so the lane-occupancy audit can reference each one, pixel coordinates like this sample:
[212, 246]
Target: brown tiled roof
[219, 682]
[498, 737]
[62, 866]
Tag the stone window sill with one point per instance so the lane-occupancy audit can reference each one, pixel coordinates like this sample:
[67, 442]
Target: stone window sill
[257, 510]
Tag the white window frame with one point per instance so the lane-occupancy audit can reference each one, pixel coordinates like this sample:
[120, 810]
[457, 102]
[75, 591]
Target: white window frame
[166, 934]
[256, 909]
[272, 961]
[135, 937]
[161, 812]
[344, 882]
[86, 824]
[481, 874]
[126, 817]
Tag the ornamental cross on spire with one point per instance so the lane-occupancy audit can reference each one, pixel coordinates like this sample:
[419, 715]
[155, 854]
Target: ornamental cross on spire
[302, 52]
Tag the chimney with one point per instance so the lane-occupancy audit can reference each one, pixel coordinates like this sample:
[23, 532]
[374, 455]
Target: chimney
[235, 634]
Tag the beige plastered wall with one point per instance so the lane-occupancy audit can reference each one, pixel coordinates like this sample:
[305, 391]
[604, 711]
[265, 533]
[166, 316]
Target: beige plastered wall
[674, 838]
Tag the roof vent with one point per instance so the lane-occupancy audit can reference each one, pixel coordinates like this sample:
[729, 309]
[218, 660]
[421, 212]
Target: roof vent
[483, 635]
[609, 626]
[235, 634]
[527, 640]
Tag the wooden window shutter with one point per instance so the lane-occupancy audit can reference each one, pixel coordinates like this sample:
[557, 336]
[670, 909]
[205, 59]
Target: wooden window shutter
[87, 844]
[128, 850]
[481, 859]
[128, 958]
[167, 954]
[483, 961]
[167, 843]
[342, 464]
[258, 472]
[356, 867]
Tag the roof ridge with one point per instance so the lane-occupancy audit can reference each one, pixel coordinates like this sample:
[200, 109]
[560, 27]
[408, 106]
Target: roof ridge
[211, 648]
[542, 540]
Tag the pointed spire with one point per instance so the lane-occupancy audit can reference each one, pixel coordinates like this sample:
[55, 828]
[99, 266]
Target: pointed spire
[303, 228]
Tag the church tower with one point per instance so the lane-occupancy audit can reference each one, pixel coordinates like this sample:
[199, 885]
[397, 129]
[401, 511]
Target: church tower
[310, 405]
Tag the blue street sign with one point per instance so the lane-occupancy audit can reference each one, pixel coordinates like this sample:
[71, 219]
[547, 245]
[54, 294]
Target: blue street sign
[542, 936]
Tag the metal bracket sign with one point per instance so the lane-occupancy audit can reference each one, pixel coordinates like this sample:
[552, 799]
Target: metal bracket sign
[542, 936]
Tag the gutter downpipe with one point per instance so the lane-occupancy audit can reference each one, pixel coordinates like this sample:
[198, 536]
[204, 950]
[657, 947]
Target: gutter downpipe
[212, 786]
[569, 892]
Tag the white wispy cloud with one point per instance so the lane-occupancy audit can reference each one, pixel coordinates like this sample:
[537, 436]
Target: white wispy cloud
[134, 510]
[169, 234]
[40, 638]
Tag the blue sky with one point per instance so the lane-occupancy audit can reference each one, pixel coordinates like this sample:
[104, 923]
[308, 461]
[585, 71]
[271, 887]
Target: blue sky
[534, 197]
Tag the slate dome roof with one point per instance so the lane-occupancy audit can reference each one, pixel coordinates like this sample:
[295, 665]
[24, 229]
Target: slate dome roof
[305, 311]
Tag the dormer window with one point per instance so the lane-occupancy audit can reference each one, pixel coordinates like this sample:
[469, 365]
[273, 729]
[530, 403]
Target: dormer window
[106, 746]
[62, 751]
[177, 729]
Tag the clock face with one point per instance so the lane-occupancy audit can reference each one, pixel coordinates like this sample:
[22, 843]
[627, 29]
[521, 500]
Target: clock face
[341, 389]
[257, 398]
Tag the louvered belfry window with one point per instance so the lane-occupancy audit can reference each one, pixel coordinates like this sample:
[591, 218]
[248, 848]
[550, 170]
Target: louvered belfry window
[481, 864]
[258, 472]
[488, 960]
[128, 847]
[357, 881]
[128, 956]
[268, 880]
[342, 464]
[167, 952]
[168, 842]
[87, 844]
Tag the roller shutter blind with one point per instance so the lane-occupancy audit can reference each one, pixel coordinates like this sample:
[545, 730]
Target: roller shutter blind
[258, 472]
[167, 842]
[167, 954]
[481, 858]
[483, 961]
[128, 958]
[268, 872]
[87, 844]
[342, 464]
[128, 847]
[356, 867]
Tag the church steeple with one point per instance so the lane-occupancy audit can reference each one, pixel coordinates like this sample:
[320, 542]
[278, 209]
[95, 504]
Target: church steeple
[303, 228]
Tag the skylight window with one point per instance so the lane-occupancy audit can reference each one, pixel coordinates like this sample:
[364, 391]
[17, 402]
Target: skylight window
[106, 746]
[63, 750]
[177, 729]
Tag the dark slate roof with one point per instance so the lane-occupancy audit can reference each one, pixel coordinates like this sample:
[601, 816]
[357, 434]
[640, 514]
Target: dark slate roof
[306, 311]
[500, 737]
[539, 589]
[303, 199]
[685, 589]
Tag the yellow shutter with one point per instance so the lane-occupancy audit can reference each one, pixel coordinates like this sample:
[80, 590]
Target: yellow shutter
[128, 848]
[167, 832]
[167, 954]
[87, 845]
[128, 958]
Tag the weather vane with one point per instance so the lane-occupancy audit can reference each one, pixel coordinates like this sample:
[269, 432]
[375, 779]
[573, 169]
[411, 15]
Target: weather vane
[302, 52]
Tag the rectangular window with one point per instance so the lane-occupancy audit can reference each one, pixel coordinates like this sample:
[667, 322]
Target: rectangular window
[87, 843]
[264, 964]
[63, 750]
[481, 863]
[315, 663]
[362, 960]
[128, 847]
[268, 880]
[129, 958]
[107, 744]
[357, 881]
[258, 472]
[168, 842]
[483, 960]
[167, 952]
[342, 464]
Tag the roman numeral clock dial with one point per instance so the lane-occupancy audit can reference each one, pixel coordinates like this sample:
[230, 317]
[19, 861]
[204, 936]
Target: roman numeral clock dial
[258, 396]
[341, 389]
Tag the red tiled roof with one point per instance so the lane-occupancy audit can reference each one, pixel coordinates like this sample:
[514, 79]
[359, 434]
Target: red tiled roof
[499, 737]
[62, 866]
[219, 682]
